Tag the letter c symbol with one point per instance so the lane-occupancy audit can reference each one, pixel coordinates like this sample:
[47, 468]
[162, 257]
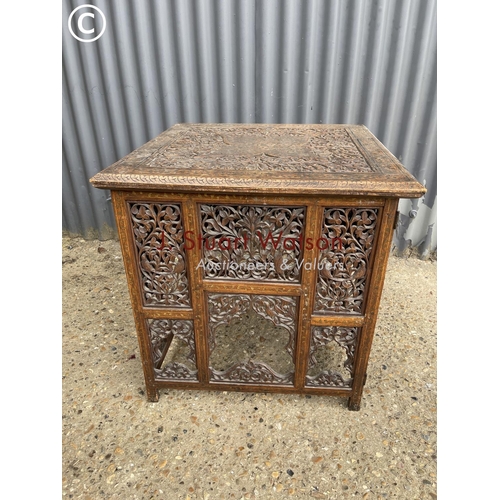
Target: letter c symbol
[80, 23]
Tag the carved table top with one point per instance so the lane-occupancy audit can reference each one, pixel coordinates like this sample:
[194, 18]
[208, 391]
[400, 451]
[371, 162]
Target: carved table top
[260, 158]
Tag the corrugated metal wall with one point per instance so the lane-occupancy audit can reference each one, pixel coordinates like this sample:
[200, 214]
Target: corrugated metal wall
[275, 61]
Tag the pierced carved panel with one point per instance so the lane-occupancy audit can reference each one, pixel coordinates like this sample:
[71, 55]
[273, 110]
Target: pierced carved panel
[343, 266]
[252, 242]
[173, 349]
[252, 373]
[321, 355]
[234, 326]
[159, 245]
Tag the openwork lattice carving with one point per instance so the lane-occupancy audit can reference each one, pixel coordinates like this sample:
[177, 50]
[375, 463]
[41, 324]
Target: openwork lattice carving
[225, 308]
[251, 373]
[347, 339]
[252, 242]
[159, 243]
[264, 148]
[343, 268]
[161, 334]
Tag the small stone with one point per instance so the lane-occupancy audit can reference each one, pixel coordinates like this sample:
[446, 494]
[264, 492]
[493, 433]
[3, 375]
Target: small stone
[119, 451]
[162, 464]
[360, 436]
[426, 481]
[279, 487]
[111, 468]
[268, 464]
[111, 479]
[275, 474]
[289, 472]
[378, 455]
[317, 459]
[376, 473]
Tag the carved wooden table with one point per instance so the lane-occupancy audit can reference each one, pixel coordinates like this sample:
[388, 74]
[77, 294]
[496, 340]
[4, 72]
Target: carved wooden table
[255, 254]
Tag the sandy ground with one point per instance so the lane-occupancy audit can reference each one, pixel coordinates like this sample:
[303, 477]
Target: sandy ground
[218, 445]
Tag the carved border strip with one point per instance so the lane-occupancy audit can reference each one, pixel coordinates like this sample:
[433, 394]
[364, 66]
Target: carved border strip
[338, 184]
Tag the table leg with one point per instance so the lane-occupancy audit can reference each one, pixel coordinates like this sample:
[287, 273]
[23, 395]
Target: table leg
[153, 394]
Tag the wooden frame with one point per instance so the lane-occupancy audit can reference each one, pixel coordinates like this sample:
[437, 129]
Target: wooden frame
[140, 195]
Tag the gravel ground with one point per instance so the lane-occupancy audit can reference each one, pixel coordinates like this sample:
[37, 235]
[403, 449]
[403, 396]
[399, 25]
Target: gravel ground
[218, 445]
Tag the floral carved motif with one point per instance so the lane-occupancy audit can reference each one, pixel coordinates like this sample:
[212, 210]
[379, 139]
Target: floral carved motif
[308, 149]
[251, 373]
[224, 308]
[161, 334]
[343, 268]
[347, 339]
[252, 242]
[159, 245]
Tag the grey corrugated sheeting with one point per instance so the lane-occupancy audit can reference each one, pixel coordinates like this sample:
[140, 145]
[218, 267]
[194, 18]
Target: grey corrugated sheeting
[274, 61]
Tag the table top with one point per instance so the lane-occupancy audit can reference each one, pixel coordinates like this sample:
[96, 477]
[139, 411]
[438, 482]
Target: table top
[263, 158]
